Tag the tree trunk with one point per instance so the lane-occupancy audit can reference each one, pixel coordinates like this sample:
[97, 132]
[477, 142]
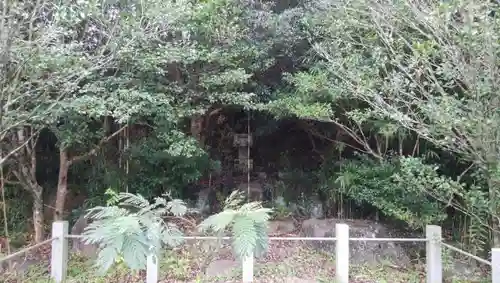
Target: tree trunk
[38, 218]
[62, 184]
[495, 225]
[493, 185]
[26, 174]
[197, 128]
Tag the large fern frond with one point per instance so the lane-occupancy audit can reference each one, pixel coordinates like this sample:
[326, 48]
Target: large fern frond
[234, 200]
[133, 200]
[244, 237]
[132, 229]
[102, 212]
[106, 230]
[172, 235]
[247, 222]
[106, 258]
[218, 222]
[262, 241]
[177, 207]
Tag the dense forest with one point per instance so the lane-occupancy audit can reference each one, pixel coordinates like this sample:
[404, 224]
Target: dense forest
[375, 109]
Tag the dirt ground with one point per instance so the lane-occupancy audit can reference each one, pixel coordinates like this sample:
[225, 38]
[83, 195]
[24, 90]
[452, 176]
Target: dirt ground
[212, 262]
[287, 262]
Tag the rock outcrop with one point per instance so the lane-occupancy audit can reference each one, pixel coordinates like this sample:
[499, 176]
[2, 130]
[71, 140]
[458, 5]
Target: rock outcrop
[280, 227]
[78, 245]
[361, 252]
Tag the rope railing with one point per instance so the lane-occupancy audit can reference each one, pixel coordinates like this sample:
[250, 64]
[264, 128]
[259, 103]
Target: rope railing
[433, 241]
[229, 238]
[27, 249]
[388, 239]
[326, 239]
[460, 251]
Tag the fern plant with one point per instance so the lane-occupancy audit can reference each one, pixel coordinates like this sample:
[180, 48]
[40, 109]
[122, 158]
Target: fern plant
[281, 208]
[130, 228]
[113, 197]
[247, 223]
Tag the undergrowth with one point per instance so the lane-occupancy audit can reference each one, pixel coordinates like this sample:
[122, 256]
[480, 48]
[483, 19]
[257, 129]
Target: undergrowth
[184, 266]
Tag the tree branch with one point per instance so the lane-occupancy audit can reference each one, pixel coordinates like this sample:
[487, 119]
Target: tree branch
[97, 147]
[310, 129]
[15, 150]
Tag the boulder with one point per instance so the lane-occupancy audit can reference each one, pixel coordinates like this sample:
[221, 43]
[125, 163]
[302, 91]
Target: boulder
[222, 268]
[280, 227]
[252, 190]
[315, 208]
[361, 252]
[78, 245]
[203, 202]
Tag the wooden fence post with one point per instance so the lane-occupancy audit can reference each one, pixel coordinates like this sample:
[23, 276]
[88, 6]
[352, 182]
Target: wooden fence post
[152, 268]
[434, 262]
[342, 253]
[247, 265]
[495, 265]
[59, 253]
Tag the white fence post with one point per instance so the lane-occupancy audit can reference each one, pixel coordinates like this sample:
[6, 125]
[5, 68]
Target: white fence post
[59, 253]
[342, 253]
[152, 269]
[247, 265]
[495, 265]
[434, 262]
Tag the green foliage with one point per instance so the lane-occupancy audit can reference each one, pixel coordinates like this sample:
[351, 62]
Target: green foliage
[166, 159]
[41, 63]
[17, 204]
[382, 74]
[92, 67]
[375, 71]
[247, 223]
[113, 197]
[281, 209]
[177, 267]
[404, 188]
[169, 159]
[134, 228]
[419, 74]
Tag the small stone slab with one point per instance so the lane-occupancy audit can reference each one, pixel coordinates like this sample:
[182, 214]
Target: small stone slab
[221, 267]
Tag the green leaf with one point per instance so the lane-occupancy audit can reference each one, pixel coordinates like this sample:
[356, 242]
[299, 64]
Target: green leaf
[106, 258]
[177, 207]
[245, 236]
[218, 222]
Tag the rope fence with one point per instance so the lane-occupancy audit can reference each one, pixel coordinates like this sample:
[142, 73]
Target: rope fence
[433, 239]
[212, 238]
[26, 250]
[481, 260]
[327, 239]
